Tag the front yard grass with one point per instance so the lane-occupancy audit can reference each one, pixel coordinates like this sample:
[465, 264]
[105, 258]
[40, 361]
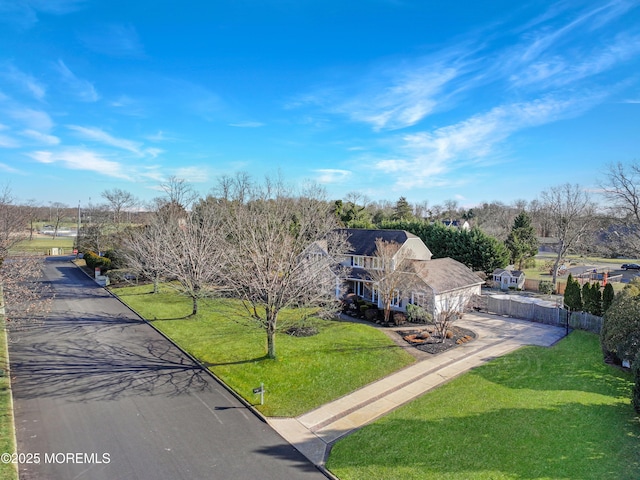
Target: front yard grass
[557, 413]
[8, 471]
[308, 372]
[41, 245]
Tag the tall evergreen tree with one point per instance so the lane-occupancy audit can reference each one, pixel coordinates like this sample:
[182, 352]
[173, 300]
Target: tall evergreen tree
[587, 299]
[596, 300]
[402, 210]
[573, 295]
[607, 297]
[522, 242]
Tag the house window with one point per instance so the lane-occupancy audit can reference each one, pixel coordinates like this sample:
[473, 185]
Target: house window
[374, 294]
[395, 299]
[375, 263]
[418, 299]
[359, 289]
[357, 261]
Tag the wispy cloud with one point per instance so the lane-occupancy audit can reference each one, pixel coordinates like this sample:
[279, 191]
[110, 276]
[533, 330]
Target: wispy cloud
[118, 40]
[41, 138]
[25, 81]
[423, 157]
[247, 124]
[81, 159]
[32, 119]
[410, 97]
[193, 174]
[24, 13]
[100, 136]
[80, 88]
[159, 136]
[8, 142]
[331, 175]
[8, 168]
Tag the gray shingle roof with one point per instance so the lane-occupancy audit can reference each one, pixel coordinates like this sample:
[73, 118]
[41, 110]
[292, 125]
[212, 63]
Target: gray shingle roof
[363, 241]
[445, 274]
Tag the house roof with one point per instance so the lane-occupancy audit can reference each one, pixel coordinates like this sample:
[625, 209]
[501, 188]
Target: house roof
[363, 241]
[445, 274]
[513, 273]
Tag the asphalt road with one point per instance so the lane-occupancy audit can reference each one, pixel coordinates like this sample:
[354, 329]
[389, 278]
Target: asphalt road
[98, 394]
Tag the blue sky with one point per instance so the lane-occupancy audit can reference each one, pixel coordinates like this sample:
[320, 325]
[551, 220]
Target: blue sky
[463, 100]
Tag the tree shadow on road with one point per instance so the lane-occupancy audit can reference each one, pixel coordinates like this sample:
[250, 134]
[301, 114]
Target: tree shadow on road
[99, 358]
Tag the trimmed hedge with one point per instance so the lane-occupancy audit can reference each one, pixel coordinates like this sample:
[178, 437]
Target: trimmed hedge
[94, 261]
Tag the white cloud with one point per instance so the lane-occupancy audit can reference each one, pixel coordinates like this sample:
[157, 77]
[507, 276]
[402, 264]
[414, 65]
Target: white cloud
[331, 175]
[427, 155]
[412, 96]
[8, 142]
[40, 137]
[193, 174]
[81, 159]
[558, 71]
[7, 168]
[26, 82]
[153, 152]
[99, 135]
[82, 89]
[24, 13]
[32, 119]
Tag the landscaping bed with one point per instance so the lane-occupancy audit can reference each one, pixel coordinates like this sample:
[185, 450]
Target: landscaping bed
[426, 340]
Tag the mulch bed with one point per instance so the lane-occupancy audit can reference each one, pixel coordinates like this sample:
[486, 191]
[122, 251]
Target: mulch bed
[433, 344]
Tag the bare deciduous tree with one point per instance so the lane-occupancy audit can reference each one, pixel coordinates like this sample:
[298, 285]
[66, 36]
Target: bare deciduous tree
[449, 309]
[143, 251]
[390, 274]
[571, 214]
[622, 189]
[59, 211]
[21, 293]
[268, 264]
[119, 201]
[178, 192]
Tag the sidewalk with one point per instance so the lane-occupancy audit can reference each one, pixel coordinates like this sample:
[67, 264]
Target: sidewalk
[314, 432]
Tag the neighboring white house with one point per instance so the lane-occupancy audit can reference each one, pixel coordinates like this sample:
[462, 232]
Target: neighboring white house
[442, 284]
[509, 279]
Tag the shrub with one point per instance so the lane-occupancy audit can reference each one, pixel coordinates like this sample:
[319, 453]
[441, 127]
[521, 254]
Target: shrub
[635, 398]
[371, 314]
[545, 287]
[417, 314]
[399, 318]
[94, 261]
[301, 331]
[620, 335]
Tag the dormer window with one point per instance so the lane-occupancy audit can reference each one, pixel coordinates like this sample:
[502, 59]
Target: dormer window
[357, 261]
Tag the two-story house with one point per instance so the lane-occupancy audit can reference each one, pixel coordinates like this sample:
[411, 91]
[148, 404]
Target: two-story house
[436, 285]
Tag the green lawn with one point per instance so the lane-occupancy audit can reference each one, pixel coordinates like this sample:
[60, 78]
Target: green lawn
[42, 244]
[308, 372]
[7, 470]
[538, 413]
